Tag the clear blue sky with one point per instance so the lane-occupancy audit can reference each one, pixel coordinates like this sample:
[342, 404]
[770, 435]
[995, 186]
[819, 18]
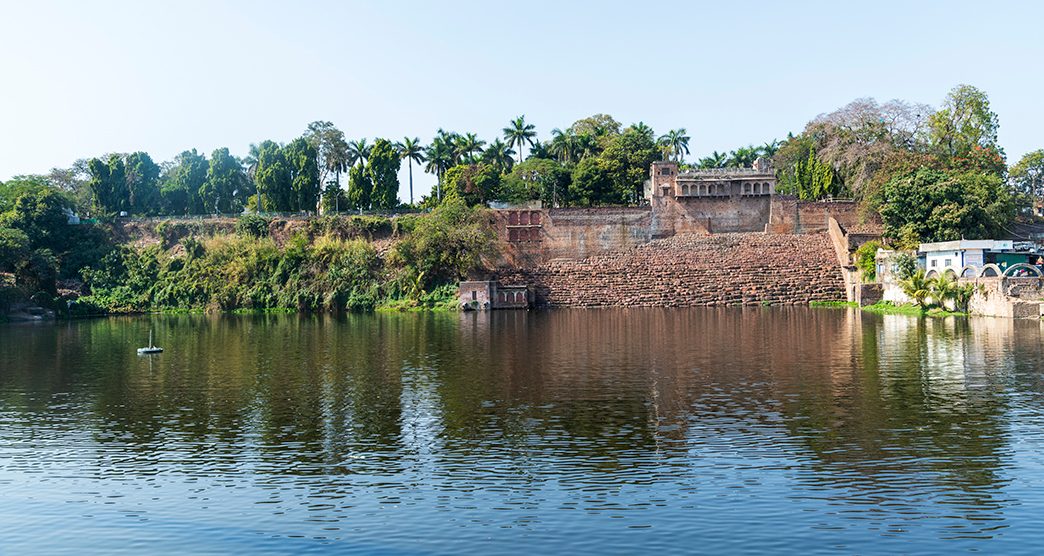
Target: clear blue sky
[81, 79]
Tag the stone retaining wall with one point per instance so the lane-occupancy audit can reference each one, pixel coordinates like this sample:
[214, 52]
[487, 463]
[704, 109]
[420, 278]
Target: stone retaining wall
[691, 270]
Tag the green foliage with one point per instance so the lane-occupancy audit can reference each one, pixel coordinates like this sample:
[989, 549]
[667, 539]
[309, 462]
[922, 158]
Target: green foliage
[809, 179]
[383, 167]
[181, 183]
[252, 225]
[537, 178]
[905, 265]
[964, 122]
[445, 245]
[627, 157]
[934, 205]
[360, 187]
[14, 248]
[937, 293]
[108, 185]
[226, 185]
[473, 183]
[301, 158]
[142, 175]
[918, 288]
[1027, 176]
[866, 260]
[273, 177]
[592, 183]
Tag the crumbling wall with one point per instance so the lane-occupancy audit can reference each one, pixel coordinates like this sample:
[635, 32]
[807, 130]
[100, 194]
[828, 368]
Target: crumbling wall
[692, 270]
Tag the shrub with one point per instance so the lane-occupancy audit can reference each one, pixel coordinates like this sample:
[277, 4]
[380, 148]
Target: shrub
[866, 260]
[252, 225]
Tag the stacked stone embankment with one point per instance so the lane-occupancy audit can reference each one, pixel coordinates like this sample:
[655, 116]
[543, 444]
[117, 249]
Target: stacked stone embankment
[692, 270]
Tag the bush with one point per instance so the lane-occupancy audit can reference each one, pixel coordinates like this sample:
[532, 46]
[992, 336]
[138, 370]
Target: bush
[252, 225]
[866, 260]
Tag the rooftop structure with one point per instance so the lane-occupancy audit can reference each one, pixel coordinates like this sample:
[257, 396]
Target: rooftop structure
[976, 257]
[666, 180]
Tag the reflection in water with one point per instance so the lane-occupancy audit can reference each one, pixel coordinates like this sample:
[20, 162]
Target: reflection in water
[814, 430]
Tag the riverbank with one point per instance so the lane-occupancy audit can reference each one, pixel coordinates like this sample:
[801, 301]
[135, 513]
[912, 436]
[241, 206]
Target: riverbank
[888, 308]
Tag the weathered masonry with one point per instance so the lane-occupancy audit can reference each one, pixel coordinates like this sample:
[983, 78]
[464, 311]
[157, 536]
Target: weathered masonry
[665, 180]
[480, 295]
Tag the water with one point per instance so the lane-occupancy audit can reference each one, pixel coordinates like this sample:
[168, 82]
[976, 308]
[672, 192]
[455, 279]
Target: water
[603, 432]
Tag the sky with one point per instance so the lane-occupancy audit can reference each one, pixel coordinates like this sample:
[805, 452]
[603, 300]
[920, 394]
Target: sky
[81, 79]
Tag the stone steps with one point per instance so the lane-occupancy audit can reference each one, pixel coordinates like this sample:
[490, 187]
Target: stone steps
[693, 270]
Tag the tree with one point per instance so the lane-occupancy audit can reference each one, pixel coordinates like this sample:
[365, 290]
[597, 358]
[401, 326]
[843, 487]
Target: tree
[304, 174]
[715, 160]
[518, 133]
[440, 157]
[384, 174]
[599, 126]
[411, 151]
[628, 157]
[964, 122]
[142, 176]
[466, 147]
[181, 182]
[1027, 176]
[331, 152]
[273, 178]
[498, 154]
[810, 179]
[226, 183]
[927, 204]
[358, 152]
[360, 187]
[537, 178]
[14, 249]
[474, 183]
[675, 144]
[42, 216]
[592, 183]
[108, 184]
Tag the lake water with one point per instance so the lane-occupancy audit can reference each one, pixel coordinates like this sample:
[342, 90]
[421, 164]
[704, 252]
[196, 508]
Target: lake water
[602, 432]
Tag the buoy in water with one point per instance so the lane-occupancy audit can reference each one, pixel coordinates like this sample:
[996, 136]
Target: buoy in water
[151, 348]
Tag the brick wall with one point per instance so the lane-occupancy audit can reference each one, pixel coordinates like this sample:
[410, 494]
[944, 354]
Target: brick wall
[691, 270]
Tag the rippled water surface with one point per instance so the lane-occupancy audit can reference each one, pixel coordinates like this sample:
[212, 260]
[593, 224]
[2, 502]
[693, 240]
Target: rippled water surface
[674, 431]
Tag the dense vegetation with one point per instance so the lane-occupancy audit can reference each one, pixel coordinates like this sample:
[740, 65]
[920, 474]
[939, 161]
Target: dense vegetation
[929, 174]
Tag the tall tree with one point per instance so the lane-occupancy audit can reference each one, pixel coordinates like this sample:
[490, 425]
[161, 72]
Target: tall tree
[181, 182]
[411, 151]
[466, 147]
[331, 152]
[1027, 176]
[519, 133]
[358, 152]
[964, 122]
[273, 178]
[142, 176]
[384, 174]
[498, 155]
[226, 183]
[360, 187]
[304, 174]
[108, 184]
[440, 158]
[675, 144]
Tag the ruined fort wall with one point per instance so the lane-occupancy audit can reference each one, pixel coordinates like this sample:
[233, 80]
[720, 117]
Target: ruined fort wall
[692, 270]
[569, 233]
[789, 215]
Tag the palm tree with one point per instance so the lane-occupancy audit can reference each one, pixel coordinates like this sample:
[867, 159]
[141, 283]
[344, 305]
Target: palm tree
[743, 157]
[644, 130]
[358, 152]
[336, 161]
[499, 154]
[518, 133]
[562, 143]
[539, 150]
[412, 151]
[676, 144]
[715, 160]
[440, 157]
[918, 288]
[467, 146]
[769, 149]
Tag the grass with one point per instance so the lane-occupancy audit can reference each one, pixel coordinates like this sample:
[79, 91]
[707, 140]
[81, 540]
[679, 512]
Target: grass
[889, 308]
